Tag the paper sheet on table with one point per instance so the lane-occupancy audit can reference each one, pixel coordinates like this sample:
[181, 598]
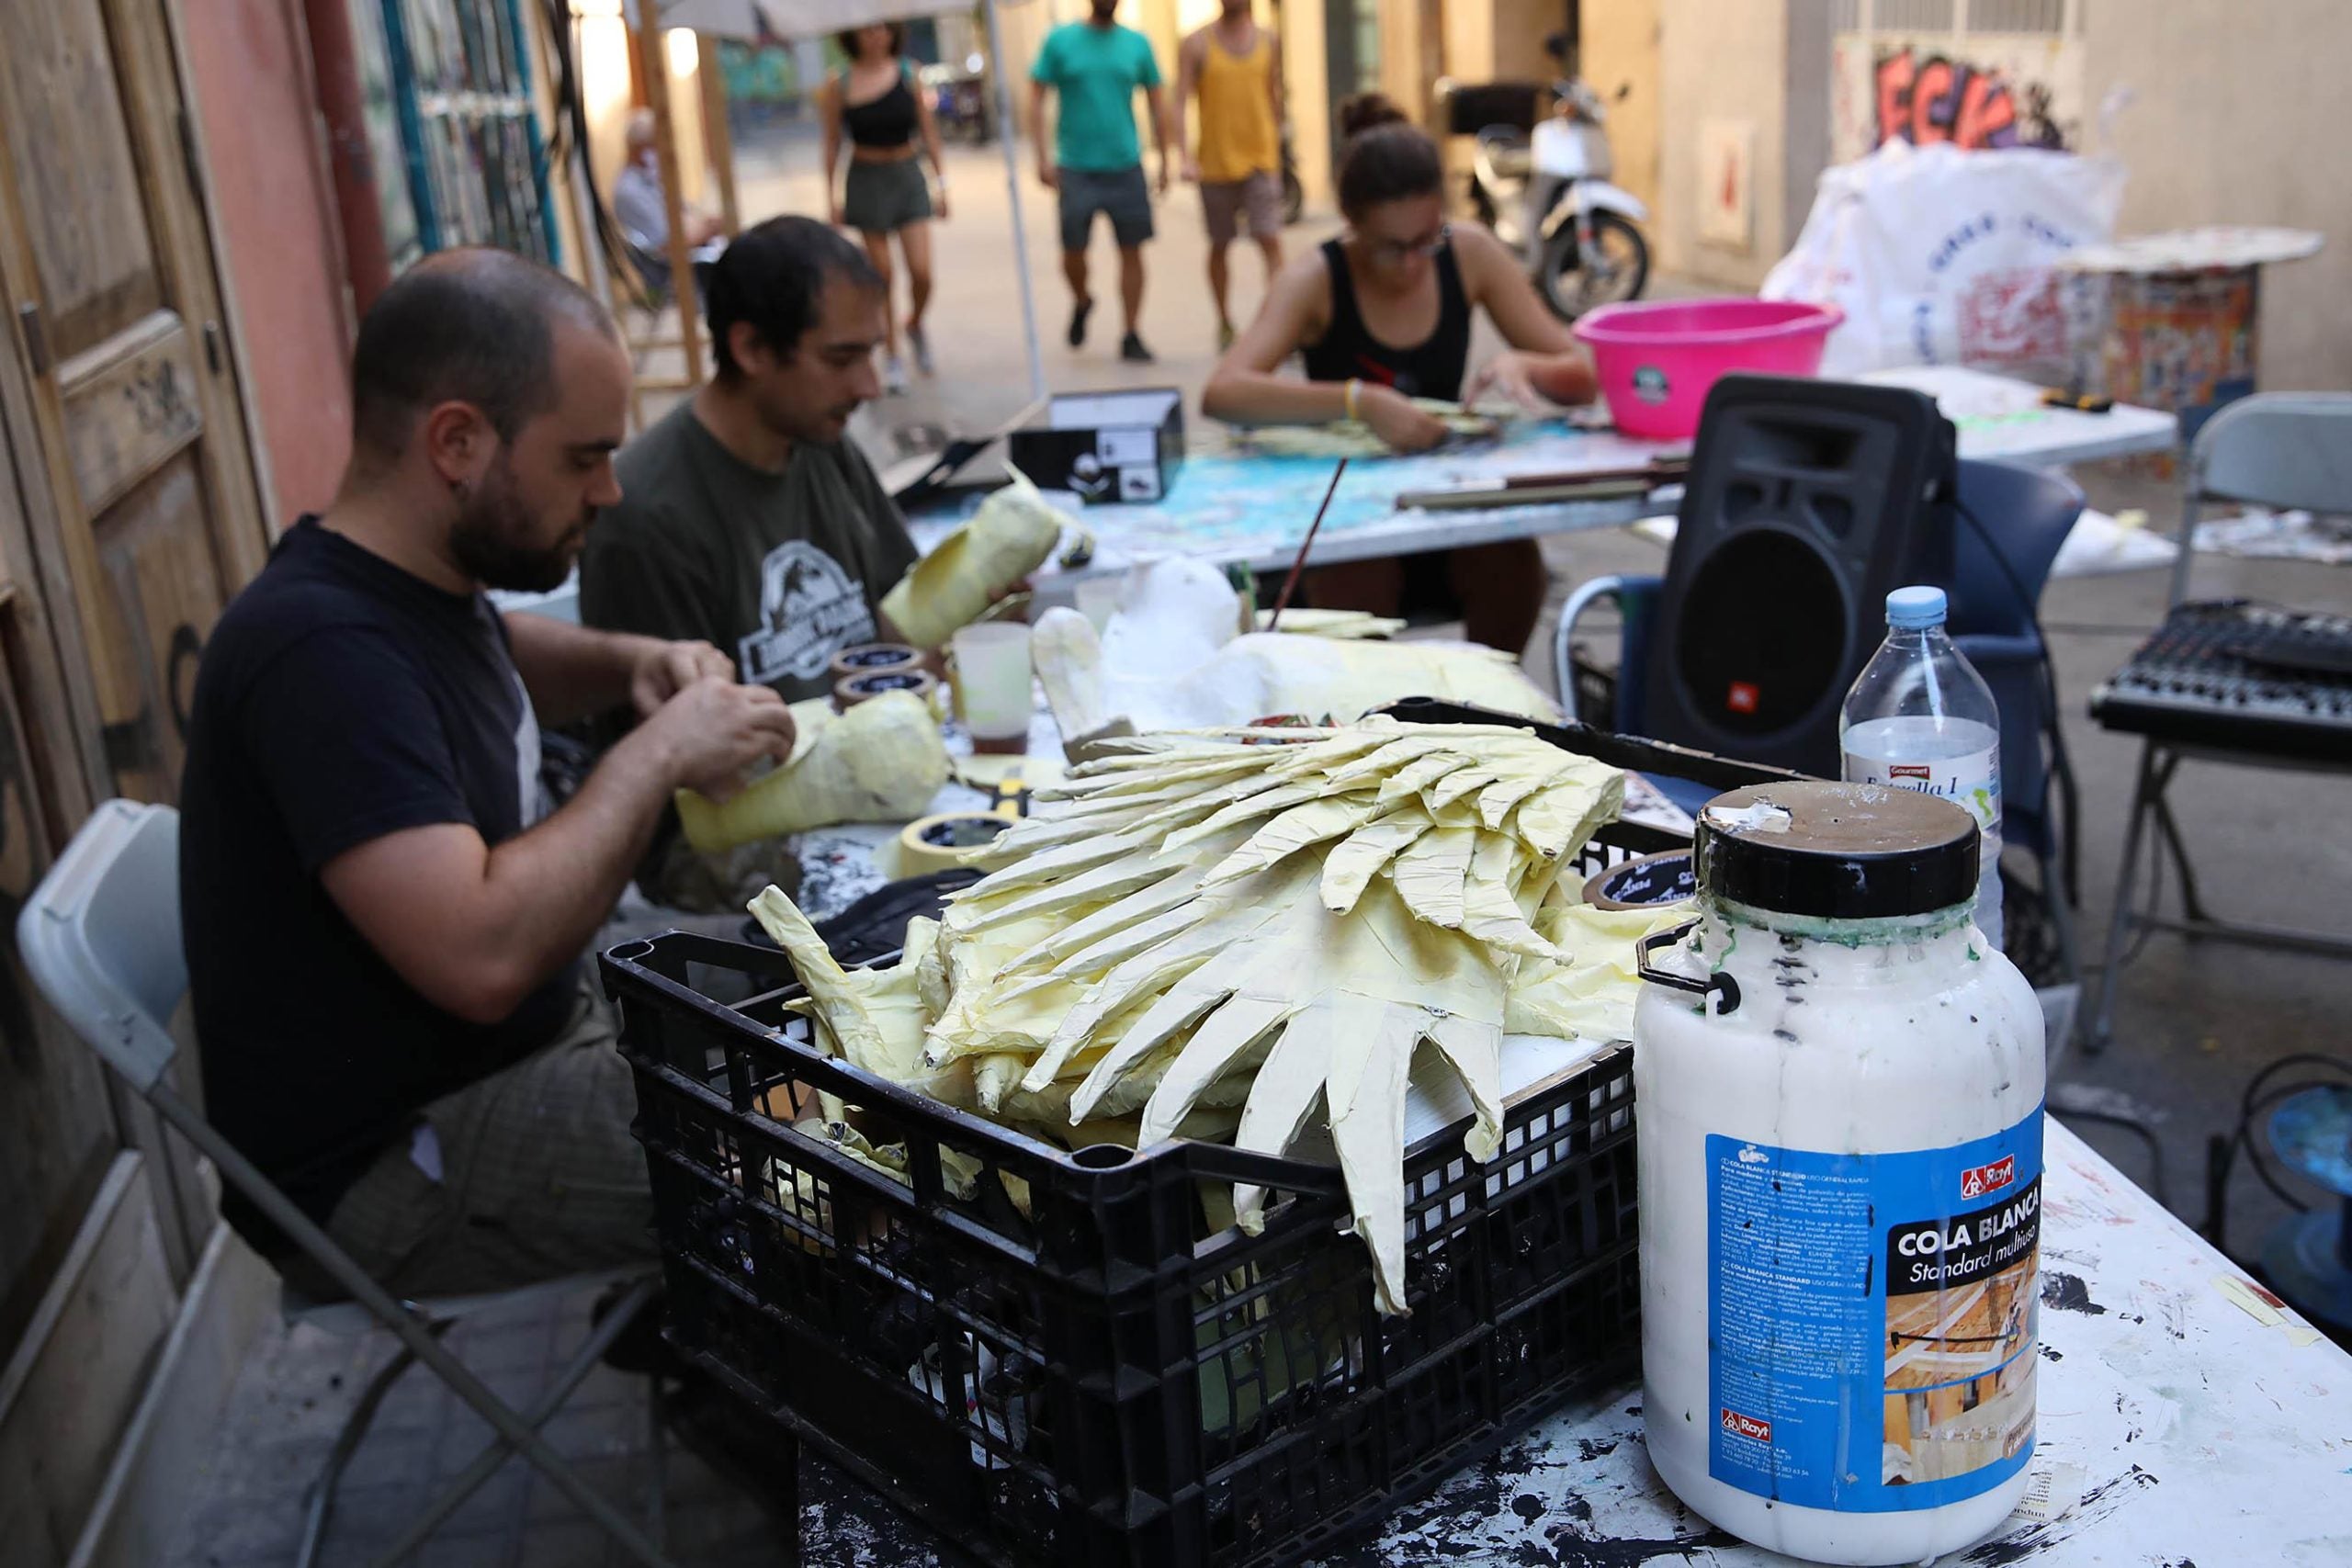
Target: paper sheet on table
[2278, 535]
[1647, 803]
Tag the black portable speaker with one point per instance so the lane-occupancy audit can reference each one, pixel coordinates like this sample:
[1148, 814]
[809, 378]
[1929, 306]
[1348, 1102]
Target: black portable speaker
[1806, 502]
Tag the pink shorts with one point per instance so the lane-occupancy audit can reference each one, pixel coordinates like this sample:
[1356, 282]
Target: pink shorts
[1225, 202]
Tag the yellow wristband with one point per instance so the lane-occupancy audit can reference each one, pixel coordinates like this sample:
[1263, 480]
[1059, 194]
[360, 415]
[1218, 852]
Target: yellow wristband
[1354, 385]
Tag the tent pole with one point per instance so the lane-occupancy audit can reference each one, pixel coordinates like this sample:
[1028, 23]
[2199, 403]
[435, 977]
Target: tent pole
[718, 135]
[1001, 68]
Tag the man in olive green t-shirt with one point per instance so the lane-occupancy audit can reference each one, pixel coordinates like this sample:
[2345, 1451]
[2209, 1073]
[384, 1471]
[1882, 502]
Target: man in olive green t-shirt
[746, 519]
[1094, 163]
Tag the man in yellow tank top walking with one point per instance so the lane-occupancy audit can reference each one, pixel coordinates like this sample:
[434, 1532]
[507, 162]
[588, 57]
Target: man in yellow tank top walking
[1235, 67]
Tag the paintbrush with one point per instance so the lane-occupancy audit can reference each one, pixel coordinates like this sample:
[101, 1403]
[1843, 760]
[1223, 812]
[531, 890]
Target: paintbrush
[1289, 583]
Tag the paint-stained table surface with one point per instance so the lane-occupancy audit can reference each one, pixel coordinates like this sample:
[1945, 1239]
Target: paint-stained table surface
[2178, 1429]
[1234, 506]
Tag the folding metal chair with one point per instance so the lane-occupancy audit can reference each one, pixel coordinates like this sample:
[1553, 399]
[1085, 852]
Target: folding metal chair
[2284, 450]
[101, 938]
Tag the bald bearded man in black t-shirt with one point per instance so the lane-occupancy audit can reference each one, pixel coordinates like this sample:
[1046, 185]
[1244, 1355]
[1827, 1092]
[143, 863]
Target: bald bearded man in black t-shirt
[383, 926]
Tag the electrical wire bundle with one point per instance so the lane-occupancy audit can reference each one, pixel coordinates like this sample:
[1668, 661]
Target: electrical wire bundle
[567, 139]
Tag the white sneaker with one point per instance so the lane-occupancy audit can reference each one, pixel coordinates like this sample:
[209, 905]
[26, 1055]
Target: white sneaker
[919, 341]
[894, 375]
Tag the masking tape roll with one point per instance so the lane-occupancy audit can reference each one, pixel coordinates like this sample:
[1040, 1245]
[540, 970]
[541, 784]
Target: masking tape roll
[1645, 883]
[870, 658]
[938, 843]
[852, 689]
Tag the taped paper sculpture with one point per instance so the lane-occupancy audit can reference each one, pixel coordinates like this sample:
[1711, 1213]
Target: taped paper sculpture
[1010, 536]
[1194, 925]
[881, 762]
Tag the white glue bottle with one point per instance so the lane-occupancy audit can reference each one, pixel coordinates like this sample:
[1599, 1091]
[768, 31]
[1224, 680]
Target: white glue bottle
[1838, 1086]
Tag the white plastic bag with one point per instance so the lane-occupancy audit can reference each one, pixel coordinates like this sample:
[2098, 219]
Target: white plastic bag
[1944, 257]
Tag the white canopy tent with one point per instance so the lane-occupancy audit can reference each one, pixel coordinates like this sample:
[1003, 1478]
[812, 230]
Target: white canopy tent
[767, 20]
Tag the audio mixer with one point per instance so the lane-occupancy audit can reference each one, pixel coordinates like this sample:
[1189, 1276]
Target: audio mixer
[2249, 677]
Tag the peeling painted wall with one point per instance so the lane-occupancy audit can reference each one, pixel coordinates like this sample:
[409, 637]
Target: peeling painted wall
[280, 248]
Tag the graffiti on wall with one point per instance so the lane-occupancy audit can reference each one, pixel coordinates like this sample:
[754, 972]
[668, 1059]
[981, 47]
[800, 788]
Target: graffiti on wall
[1981, 91]
[1937, 98]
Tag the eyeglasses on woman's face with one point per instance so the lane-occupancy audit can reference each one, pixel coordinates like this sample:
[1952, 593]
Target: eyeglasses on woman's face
[1388, 252]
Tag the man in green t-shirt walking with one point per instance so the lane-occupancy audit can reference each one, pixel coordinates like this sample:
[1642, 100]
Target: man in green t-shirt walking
[1094, 160]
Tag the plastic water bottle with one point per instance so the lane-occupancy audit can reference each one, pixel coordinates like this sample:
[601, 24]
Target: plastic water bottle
[1919, 717]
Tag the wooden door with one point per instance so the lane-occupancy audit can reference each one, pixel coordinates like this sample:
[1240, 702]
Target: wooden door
[152, 510]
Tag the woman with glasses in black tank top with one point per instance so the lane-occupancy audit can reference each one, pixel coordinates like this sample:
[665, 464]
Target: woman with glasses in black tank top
[1381, 316]
[876, 100]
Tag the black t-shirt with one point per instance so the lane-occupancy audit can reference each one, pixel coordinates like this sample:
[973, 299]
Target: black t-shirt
[339, 699]
[1431, 368]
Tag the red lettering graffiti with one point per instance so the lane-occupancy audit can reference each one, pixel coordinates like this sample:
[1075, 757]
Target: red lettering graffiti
[1894, 76]
[1924, 101]
[1932, 99]
[1987, 115]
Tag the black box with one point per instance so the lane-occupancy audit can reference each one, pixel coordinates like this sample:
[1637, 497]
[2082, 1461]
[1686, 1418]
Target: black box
[1105, 447]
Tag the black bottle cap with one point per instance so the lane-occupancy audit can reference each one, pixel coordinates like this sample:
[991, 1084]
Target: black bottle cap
[1839, 851]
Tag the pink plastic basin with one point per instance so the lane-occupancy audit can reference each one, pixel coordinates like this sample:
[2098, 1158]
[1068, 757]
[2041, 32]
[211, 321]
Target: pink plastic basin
[1656, 360]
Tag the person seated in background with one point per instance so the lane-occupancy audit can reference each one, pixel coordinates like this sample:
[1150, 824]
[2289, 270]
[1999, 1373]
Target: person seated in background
[383, 929]
[643, 211]
[747, 518]
[1382, 316]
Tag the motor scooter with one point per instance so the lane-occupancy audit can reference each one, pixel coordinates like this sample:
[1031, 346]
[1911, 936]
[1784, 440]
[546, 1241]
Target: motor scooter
[1541, 182]
[960, 101]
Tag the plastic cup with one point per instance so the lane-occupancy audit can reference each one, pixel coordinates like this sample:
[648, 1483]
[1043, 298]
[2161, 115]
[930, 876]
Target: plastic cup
[992, 684]
[1098, 599]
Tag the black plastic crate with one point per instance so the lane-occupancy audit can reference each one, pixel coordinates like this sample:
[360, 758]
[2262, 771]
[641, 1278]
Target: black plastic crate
[1076, 1379]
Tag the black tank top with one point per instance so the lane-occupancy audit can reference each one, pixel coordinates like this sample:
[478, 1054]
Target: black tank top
[1431, 368]
[888, 121]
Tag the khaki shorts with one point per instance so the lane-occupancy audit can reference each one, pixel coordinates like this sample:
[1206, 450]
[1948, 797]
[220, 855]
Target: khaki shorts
[1226, 202]
[530, 1174]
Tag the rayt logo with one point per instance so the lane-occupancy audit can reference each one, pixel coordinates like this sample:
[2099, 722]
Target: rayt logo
[1737, 1426]
[1977, 1180]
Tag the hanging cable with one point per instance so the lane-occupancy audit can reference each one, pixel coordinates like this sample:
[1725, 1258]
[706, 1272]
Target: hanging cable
[2224, 1151]
[568, 139]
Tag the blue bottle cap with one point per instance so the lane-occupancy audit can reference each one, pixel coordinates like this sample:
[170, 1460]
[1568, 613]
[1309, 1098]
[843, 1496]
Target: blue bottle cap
[1908, 609]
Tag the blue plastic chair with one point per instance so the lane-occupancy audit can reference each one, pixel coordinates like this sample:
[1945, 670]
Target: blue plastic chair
[2026, 515]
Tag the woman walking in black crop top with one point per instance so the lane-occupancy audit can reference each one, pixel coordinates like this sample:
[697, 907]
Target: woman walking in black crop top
[877, 101]
[1381, 316]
